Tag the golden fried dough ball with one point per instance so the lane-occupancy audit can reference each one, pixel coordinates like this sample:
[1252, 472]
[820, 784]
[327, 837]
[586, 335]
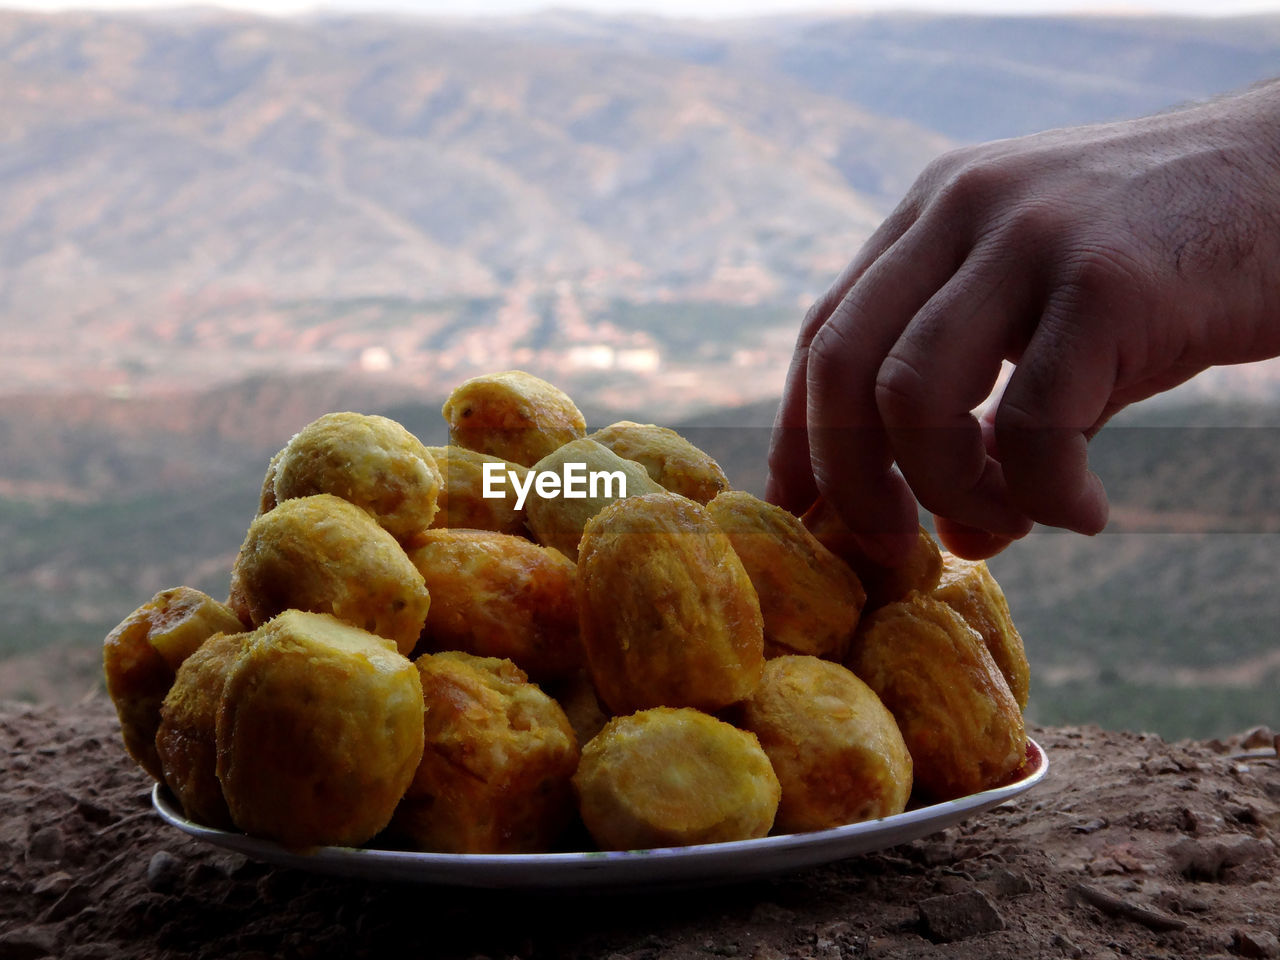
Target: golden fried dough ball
[496, 768]
[883, 584]
[835, 747]
[968, 587]
[668, 614]
[496, 595]
[675, 463]
[955, 711]
[319, 732]
[325, 555]
[672, 777]
[187, 740]
[267, 496]
[513, 415]
[463, 504]
[597, 478]
[809, 597]
[372, 462]
[141, 655]
[577, 697]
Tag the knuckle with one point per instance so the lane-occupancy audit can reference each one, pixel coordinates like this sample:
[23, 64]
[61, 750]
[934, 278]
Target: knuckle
[973, 186]
[1032, 222]
[1014, 423]
[830, 349]
[901, 390]
[1095, 272]
[814, 318]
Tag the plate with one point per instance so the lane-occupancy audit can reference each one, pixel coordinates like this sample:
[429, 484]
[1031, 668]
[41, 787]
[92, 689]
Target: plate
[701, 864]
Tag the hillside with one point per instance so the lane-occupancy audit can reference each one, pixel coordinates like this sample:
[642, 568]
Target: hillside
[193, 197]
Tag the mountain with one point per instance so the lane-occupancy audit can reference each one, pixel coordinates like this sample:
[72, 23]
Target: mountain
[193, 196]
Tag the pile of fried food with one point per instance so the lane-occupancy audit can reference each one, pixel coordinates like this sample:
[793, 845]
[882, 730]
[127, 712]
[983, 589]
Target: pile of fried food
[403, 657]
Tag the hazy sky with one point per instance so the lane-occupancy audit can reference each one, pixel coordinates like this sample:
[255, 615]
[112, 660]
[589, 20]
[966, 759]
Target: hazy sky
[695, 8]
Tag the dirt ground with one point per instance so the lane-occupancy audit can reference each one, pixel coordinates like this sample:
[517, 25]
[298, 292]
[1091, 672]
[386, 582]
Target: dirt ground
[1132, 847]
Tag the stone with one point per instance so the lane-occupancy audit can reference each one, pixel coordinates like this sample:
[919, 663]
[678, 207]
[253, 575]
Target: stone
[1259, 738]
[1256, 943]
[958, 916]
[163, 872]
[1205, 859]
[47, 843]
[27, 943]
[1065, 946]
[1006, 883]
[54, 885]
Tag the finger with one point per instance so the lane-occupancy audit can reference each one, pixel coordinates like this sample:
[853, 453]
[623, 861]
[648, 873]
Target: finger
[942, 367]
[790, 481]
[1059, 391]
[968, 543]
[849, 451]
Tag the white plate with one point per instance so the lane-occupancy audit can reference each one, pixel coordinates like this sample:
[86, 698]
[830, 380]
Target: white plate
[705, 863]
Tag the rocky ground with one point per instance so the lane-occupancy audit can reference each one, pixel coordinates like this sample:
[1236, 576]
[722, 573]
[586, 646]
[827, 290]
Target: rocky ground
[1131, 847]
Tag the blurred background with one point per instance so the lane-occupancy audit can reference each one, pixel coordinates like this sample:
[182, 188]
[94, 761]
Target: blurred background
[216, 225]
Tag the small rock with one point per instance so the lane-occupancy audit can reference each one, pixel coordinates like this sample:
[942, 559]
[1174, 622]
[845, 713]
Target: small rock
[1258, 738]
[1068, 949]
[94, 813]
[727, 949]
[836, 930]
[958, 916]
[54, 885]
[1205, 860]
[1093, 826]
[27, 943]
[1256, 943]
[766, 952]
[163, 872]
[1006, 883]
[47, 843]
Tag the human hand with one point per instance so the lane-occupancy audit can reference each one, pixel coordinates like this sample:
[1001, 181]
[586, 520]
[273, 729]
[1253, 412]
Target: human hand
[1109, 263]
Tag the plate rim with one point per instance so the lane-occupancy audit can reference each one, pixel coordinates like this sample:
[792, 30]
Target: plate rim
[773, 853]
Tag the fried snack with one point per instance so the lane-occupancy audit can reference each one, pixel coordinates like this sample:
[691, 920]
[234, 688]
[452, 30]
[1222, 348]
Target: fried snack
[835, 747]
[577, 698]
[809, 598]
[968, 587]
[325, 555]
[673, 777]
[957, 716]
[495, 772]
[513, 415]
[187, 740]
[267, 495]
[319, 732]
[462, 502]
[668, 614]
[883, 584]
[672, 461]
[372, 462]
[142, 654]
[557, 520]
[496, 595]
